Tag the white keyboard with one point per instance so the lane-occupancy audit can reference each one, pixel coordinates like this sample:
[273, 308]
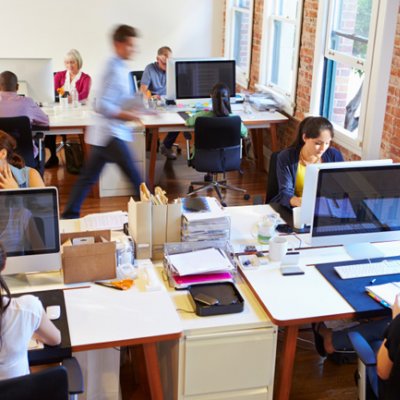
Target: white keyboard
[386, 267]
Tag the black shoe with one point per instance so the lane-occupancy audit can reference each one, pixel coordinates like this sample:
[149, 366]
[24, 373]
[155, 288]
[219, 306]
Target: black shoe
[51, 162]
[318, 339]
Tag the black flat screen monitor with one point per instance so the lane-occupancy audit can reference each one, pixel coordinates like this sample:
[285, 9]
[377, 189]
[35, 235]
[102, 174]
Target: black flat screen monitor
[195, 79]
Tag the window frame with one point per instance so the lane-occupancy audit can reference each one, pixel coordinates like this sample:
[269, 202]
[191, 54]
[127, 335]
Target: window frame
[270, 15]
[242, 74]
[377, 73]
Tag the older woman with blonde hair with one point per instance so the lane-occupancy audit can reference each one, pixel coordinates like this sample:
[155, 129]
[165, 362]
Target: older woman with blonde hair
[65, 82]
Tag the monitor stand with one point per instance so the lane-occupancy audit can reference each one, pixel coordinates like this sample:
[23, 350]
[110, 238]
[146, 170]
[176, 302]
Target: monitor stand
[359, 251]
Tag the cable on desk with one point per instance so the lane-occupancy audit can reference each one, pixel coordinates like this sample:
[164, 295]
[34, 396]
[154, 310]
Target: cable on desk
[299, 239]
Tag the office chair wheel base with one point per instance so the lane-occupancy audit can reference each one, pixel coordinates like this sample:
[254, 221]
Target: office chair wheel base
[191, 188]
[246, 196]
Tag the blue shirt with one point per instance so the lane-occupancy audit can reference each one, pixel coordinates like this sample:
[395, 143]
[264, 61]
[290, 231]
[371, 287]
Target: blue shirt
[286, 170]
[155, 79]
[113, 96]
[21, 175]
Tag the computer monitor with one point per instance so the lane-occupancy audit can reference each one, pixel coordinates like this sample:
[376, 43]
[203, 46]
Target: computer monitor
[29, 230]
[189, 79]
[35, 77]
[311, 181]
[355, 206]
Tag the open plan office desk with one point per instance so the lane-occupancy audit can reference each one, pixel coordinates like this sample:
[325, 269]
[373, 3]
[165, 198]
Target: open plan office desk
[291, 301]
[72, 120]
[102, 318]
[256, 121]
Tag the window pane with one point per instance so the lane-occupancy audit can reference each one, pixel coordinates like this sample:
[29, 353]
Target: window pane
[286, 8]
[342, 97]
[241, 3]
[350, 28]
[283, 53]
[241, 39]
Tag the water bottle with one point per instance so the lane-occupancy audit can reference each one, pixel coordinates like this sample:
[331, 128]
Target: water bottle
[74, 97]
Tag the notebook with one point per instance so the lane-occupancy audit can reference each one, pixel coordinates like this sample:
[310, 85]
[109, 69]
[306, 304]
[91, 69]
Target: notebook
[385, 293]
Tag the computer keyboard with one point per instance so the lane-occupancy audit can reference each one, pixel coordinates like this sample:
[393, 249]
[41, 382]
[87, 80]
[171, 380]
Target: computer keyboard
[386, 267]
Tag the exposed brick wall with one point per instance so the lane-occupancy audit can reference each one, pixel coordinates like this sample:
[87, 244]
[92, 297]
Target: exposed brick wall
[390, 147]
[391, 133]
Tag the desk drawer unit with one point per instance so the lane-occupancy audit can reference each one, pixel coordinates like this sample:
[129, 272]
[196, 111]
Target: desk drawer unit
[113, 181]
[229, 365]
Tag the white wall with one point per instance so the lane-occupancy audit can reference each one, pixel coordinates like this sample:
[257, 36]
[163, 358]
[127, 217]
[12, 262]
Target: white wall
[48, 28]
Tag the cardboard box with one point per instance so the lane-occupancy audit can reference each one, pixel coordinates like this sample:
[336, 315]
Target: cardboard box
[89, 262]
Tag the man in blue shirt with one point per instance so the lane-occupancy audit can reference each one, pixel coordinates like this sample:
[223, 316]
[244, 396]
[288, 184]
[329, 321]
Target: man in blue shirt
[154, 80]
[108, 137]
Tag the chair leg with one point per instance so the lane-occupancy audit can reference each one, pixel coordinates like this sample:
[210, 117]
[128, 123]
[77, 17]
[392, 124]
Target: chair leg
[204, 187]
[229, 187]
[216, 188]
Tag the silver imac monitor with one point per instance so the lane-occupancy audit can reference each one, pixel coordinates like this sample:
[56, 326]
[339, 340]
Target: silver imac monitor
[35, 77]
[311, 181]
[355, 206]
[29, 230]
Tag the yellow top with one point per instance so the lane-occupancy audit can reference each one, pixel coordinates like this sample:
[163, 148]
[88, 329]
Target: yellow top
[298, 188]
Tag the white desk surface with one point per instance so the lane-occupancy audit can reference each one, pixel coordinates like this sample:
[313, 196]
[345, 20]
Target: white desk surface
[118, 317]
[253, 316]
[293, 299]
[83, 116]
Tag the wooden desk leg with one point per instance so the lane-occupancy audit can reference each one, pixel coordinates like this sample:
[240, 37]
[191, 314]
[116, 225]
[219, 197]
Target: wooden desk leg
[153, 371]
[274, 137]
[153, 158]
[287, 363]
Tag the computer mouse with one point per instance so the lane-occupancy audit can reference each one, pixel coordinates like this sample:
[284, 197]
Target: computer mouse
[53, 312]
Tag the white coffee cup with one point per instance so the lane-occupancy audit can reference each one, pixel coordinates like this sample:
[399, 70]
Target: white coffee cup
[297, 218]
[277, 248]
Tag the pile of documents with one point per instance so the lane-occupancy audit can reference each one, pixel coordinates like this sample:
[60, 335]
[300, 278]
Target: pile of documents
[195, 263]
[204, 219]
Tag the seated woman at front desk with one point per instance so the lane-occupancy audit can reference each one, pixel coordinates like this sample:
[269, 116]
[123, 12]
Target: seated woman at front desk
[311, 146]
[21, 318]
[14, 173]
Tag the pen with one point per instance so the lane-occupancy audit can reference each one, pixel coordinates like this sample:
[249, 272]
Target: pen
[373, 281]
[105, 284]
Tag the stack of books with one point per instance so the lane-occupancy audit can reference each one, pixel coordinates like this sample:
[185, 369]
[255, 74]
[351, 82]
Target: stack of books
[204, 219]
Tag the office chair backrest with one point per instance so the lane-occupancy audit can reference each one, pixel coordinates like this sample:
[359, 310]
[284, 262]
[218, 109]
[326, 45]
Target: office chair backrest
[217, 143]
[20, 129]
[49, 384]
[272, 184]
[136, 77]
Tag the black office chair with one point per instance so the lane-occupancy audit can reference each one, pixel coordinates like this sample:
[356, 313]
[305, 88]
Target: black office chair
[217, 149]
[272, 184]
[369, 384]
[50, 384]
[20, 128]
[136, 77]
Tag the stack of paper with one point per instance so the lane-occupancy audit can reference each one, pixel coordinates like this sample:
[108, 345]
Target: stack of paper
[385, 293]
[209, 223]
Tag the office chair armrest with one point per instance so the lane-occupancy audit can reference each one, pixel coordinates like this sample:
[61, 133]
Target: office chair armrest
[38, 135]
[75, 377]
[363, 349]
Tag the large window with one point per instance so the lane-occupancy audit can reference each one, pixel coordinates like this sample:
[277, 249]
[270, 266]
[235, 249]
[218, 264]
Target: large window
[280, 46]
[239, 21]
[349, 71]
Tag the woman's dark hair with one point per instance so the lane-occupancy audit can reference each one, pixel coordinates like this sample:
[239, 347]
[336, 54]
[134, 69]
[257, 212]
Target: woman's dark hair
[9, 143]
[311, 127]
[4, 290]
[221, 100]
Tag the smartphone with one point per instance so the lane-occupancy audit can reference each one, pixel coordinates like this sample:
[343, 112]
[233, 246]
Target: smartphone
[206, 299]
[291, 270]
